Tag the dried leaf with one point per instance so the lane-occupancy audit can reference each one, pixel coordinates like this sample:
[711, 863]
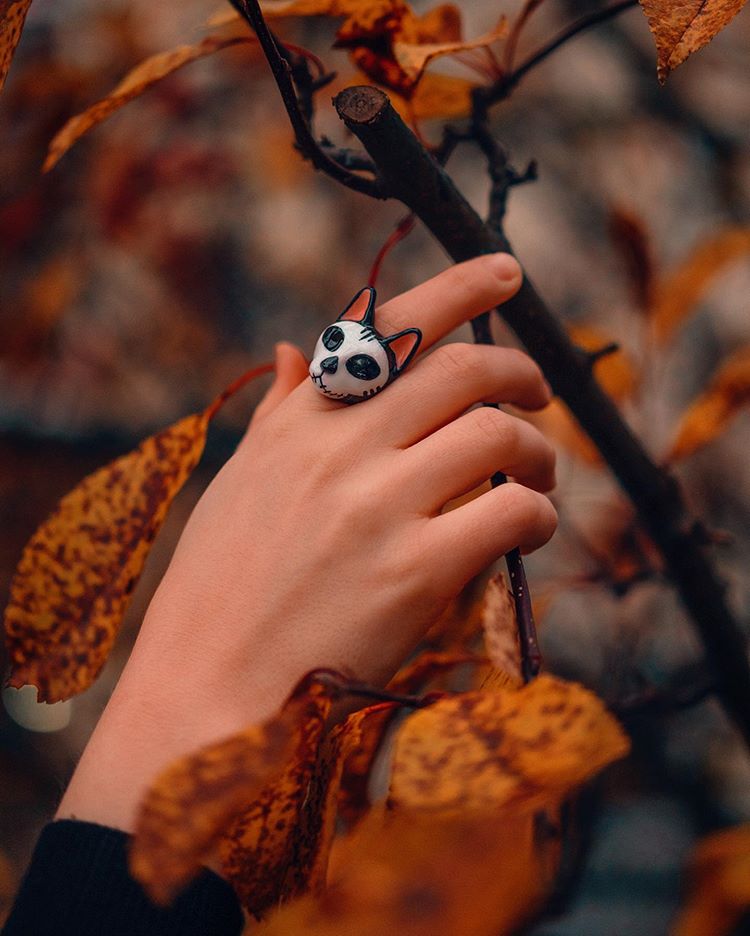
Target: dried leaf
[680, 292]
[76, 575]
[630, 237]
[372, 725]
[429, 665]
[418, 876]
[413, 57]
[719, 893]
[140, 79]
[12, 17]
[501, 629]
[260, 850]
[480, 751]
[195, 801]
[681, 27]
[708, 416]
[617, 374]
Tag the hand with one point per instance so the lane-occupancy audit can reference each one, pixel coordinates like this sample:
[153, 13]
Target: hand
[322, 541]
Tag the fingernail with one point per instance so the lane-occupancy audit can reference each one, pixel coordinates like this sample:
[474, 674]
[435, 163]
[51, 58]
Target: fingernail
[505, 266]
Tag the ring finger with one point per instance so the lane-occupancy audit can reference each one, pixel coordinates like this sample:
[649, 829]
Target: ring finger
[468, 451]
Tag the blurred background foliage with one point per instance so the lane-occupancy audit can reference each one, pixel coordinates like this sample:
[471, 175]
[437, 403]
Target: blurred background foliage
[173, 245]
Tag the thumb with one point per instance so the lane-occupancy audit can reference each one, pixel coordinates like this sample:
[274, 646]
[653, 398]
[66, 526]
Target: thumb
[291, 370]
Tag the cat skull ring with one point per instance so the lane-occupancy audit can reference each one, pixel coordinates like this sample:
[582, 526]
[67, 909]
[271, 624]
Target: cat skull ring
[352, 361]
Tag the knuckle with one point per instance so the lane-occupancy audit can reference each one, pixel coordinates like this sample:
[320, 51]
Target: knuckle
[497, 427]
[459, 361]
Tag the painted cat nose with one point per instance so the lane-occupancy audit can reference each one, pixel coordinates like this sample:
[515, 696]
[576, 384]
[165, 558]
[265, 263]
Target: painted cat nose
[329, 365]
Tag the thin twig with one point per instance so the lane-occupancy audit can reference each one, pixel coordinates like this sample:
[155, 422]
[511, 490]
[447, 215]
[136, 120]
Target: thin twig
[484, 98]
[250, 11]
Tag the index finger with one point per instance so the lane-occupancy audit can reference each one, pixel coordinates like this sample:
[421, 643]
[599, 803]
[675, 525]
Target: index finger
[451, 298]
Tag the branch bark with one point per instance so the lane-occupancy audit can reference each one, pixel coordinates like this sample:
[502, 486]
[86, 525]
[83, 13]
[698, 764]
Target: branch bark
[250, 11]
[412, 175]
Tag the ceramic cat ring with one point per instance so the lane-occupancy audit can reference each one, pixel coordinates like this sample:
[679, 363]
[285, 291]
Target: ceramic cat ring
[352, 361]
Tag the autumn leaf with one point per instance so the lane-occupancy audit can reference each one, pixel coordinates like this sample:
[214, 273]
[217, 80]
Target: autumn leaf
[681, 28]
[76, 575]
[631, 239]
[501, 629]
[372, 724]
[443, 97]
[680, 292]
[480, 751]
[413, 875]
[413, 58]
[708, 416]
[281, 836]
[719, 894]
[12, 17]
[195, 801]
[619, 378]
[140, 79]
[429, 665]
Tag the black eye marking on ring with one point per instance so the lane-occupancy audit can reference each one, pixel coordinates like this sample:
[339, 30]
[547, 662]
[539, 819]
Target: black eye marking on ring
[363, 367]
[333, 337]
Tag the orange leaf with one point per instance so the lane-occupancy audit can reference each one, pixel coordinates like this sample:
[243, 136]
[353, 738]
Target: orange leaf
[417, 876]
[719, 893]
[681, 28]
[618, 376]
[708, 416]
[76, 575]
[413, 58]
[140, 79]
[427, 666]
[632, 241]
[280, 838]
[680, 292]
[436, 97]
[12, 17]
[372, 723]
[479, 751]
[193, 803]
[501, 629]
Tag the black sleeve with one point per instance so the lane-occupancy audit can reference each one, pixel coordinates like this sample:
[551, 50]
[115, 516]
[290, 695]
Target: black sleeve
[78, 885]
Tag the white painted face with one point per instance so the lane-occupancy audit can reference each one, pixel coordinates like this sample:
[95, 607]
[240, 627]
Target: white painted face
[349, 361]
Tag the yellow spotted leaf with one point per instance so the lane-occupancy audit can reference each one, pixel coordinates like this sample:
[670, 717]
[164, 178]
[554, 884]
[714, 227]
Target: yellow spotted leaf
[480, 751]
[708, 416]
[719, 893]
[195, 801]
[680, 292]
[140, 79]
[12, 17]
[412, 875]
[501, 629]
[681, 27]
[371, 725]
[261, 847]
[76, 575]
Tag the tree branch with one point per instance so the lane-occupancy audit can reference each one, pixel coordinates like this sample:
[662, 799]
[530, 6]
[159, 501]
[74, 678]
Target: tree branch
[413, 176]
[250, 11]
[485, 97]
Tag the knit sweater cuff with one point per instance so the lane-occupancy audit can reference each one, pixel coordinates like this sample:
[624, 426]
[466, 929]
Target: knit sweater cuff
[78, 883]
